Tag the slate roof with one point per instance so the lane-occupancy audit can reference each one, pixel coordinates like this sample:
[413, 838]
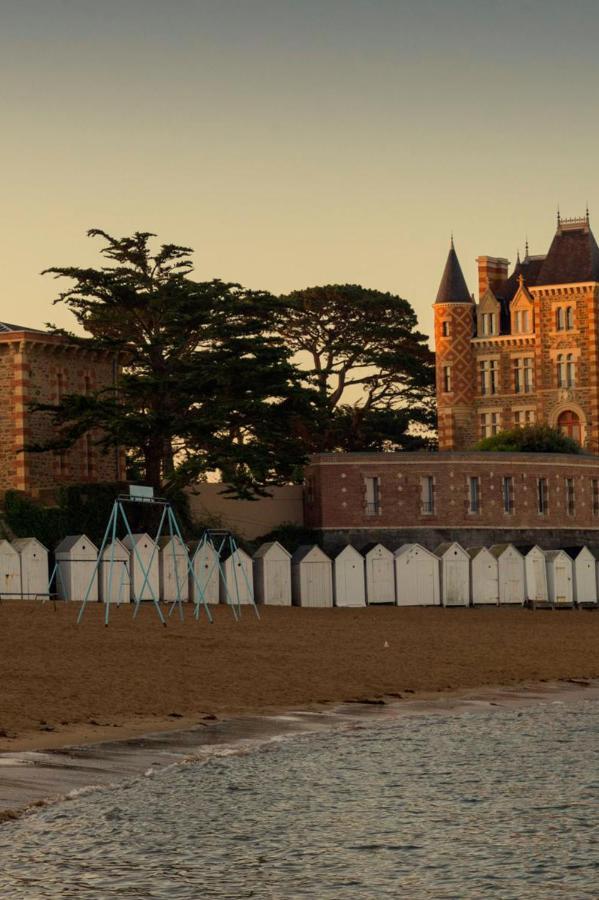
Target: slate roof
[6, 327]
[453, 287]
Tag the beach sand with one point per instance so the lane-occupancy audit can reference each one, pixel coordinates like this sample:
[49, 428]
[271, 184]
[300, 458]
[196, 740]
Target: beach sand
[63, 683]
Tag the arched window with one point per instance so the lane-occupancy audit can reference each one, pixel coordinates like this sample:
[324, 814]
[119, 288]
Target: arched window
[561, 370]
[569, 318]
[559, 318]
[570, 370]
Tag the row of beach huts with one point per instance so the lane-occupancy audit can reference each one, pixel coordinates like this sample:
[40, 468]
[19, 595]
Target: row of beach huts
[137, 568]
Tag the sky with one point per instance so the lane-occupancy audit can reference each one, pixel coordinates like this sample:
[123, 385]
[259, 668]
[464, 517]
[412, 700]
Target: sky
[292, 142]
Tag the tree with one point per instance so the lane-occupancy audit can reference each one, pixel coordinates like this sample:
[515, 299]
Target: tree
[372, 369]
[530, 439]
[205, 385]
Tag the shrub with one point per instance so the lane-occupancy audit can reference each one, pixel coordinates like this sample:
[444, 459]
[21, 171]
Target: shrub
[530, 439]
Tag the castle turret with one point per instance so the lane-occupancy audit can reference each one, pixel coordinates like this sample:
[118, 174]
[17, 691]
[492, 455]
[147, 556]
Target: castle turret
[456, 376]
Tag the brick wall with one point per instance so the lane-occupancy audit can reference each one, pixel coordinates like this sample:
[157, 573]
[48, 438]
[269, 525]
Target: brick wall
[36, 368]
[335, 495]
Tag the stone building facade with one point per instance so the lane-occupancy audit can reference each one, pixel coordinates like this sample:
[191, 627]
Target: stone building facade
[528, 350]
[36, 367]
[476, 498]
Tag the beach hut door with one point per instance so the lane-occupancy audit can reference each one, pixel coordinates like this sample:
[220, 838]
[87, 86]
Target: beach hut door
[277, 571]
[452, 570]
[382, 577]
[561, 582]
[538, 571]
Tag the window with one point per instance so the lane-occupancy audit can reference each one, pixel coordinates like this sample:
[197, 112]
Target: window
[427, 495]
[489, 424]
[559, 318]
[446, 379]
[523, 417]
[373, 499]
[595, 495]
[489, 323]
[569, 485]
[542, 496]
[523, 381]
[474, 494]
[522, 321]
[507, 493]
[445, 328]
[566, 370]
[488, 376]
[569, 318]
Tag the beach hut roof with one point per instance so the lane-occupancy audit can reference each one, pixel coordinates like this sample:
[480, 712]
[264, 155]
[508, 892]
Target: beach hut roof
[166, 539]
[6, 545]
[238, 550]
[73, 540]
[20, 543]
[131, 539]
[374, 545]
[444, 548]
[499, 549]
[264, 549]
[473, 552]
[407, 548]
[119, 547]
[349, 549]
[574, 552]
[307, 550]
[553, 554]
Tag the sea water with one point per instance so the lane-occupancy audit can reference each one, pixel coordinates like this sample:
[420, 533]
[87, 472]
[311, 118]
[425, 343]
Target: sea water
[501, 804]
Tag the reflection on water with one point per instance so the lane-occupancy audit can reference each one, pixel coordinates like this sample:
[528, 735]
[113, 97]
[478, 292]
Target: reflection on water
[493, 804]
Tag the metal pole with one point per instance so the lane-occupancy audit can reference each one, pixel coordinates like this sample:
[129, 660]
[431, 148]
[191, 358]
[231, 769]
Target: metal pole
[113, 515]
[191, 570]
[141, 565]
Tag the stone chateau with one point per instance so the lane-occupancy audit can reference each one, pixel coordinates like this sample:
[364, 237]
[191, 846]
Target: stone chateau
[37, 367]
[528, 350]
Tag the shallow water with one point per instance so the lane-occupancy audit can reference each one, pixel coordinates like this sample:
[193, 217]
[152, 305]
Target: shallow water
[484, 804]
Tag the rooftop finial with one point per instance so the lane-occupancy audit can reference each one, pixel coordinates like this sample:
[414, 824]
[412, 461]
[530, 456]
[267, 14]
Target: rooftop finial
[587, 213]
[452, 247]
[518, 256]
[526, 247]
[559, 221]
[520, 280]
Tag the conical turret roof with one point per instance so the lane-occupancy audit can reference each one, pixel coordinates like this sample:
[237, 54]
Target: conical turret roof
[453, 287]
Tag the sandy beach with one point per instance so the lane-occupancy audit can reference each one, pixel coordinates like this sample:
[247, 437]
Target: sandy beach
[62, 683]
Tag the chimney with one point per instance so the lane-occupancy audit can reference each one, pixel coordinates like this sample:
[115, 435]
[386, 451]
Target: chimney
[492, 270]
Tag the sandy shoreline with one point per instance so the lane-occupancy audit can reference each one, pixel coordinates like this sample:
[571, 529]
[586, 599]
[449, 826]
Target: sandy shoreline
[30, 779]
[66, 684]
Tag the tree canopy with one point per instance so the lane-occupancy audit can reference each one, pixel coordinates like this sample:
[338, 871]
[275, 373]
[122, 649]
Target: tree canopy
[373, 371]
[530, 439]
[205, 385]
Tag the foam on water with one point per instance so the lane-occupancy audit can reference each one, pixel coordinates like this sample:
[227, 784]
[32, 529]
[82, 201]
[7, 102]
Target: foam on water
[500, 803]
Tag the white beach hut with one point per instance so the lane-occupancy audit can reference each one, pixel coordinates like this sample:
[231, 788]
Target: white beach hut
[584, 578]
[416, 576]
[311, 577]
[237, 585]
[173, 569]
[33, 563]
[535, 575]
[77, 577]
[484, 577]
[380, 574]
[10, 572]
[510, 565]
[559, 578]
[204, 562]
[455, 574]
[143, 560]
[272, 574]
[349, 587]
[115, 586]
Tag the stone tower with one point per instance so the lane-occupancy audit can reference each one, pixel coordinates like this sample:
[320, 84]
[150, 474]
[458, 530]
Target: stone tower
[456, 376]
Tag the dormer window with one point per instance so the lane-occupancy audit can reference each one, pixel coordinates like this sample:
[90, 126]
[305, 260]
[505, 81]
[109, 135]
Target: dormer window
[569, 318]
[560, 321]
[522, 321]
[489, 324]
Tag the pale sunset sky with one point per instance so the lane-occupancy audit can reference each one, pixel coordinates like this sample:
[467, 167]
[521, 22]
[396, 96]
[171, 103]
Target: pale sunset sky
[293, 142]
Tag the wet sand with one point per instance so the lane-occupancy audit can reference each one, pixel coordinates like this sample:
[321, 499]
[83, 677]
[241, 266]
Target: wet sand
[62, 684]
[29, 779]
